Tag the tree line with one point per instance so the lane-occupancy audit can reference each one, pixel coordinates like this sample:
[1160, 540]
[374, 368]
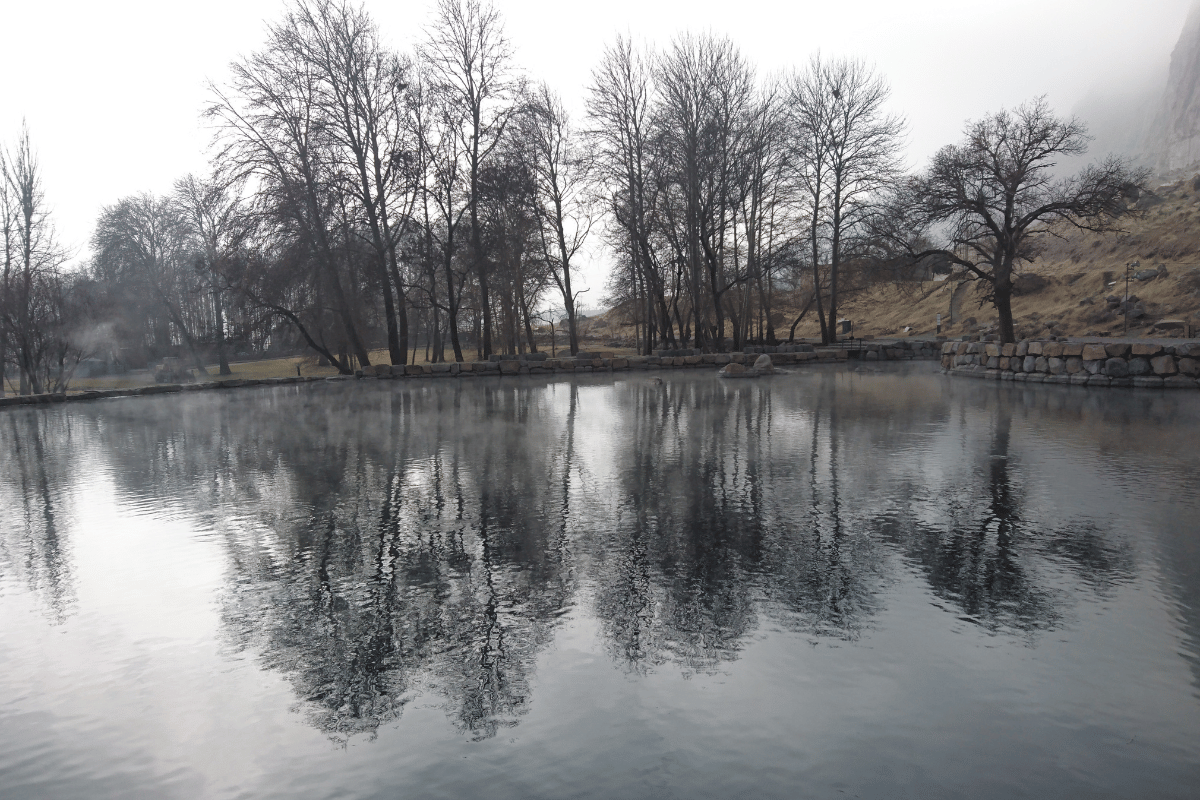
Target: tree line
[364, 198]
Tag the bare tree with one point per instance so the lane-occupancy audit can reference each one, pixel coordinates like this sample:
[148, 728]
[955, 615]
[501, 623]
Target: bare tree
[619, 103]
[439, 150]
[33, 259]
[993, 198]
[213, 209]
[269, 129]
[849, 149]
[8, 229]
[470, 60]
[362, 93]
[144, 239]
[559, 169]
[765, 202]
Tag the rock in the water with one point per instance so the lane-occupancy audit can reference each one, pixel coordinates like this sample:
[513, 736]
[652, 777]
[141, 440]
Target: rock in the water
[733, 371]
[763, 364]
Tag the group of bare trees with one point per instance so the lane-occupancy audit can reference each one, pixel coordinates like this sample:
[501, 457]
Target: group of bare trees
[730, 194]
[362, 198]
[441, 198]
[38, 300]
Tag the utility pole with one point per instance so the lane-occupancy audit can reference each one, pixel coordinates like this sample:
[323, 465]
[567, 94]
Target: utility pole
[1128, 266]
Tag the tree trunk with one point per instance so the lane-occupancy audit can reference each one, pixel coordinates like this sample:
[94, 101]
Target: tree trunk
[817, 297]
[219, 314]
[803, 311]
[835, 257]
[343, 310]
[451, 297]
[1002, 299]
[3, 358]
[395, 351]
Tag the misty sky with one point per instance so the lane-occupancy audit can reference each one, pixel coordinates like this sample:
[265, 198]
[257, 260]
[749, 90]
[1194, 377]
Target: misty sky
[112, 91]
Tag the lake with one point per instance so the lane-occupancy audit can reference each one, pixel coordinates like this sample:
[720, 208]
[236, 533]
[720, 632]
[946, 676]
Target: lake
[884, 583]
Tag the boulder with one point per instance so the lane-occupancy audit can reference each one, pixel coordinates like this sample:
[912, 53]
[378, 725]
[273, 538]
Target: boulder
[1169, 325]
[1164, 365]
[763, 365]
[1189, 366]
[1117, 349]
[1028, 283]
[1052, 350]
[732, 370]
[1094, 352]
[1147, 349]
[1139, 366]
[1116, 368]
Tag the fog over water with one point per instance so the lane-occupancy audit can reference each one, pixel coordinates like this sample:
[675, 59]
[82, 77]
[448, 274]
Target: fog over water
[886, 583]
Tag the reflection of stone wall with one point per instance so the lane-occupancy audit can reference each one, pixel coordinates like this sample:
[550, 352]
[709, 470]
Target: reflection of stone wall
[538, 364]
[1144, 365]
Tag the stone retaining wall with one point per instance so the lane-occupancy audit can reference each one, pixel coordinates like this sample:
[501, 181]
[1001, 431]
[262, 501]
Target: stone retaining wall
[1144, 365]
[539, 364]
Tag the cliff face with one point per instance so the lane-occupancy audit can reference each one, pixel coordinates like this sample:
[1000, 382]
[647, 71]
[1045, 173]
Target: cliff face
[1174, 141]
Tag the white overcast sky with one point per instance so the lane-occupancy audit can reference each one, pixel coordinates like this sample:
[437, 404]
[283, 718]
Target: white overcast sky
[112, 90]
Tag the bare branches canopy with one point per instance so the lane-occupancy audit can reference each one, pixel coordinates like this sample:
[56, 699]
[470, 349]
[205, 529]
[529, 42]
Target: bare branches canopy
[363, 199]
[989, 201]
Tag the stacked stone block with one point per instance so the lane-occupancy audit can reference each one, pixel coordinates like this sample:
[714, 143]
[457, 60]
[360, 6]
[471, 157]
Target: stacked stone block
[1146, 365]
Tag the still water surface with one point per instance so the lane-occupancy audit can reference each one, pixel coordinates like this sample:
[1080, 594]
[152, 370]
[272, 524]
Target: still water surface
[829, 584]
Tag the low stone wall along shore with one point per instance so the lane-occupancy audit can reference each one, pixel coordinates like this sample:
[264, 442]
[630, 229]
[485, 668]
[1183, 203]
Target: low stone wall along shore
[541, 364]
[1143, 365]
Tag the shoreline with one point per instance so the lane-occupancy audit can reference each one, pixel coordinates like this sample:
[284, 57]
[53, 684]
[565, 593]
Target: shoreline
[531, 364]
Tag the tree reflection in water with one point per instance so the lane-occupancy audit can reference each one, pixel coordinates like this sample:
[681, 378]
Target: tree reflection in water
[979, 553]
[384, 542]
[34, 547]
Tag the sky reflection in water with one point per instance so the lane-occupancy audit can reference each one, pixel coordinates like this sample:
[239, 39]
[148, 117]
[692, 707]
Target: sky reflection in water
[882, 584]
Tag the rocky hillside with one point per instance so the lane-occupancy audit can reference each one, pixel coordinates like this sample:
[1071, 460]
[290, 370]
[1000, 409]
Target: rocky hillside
[1075, 288]
[1173, 141]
